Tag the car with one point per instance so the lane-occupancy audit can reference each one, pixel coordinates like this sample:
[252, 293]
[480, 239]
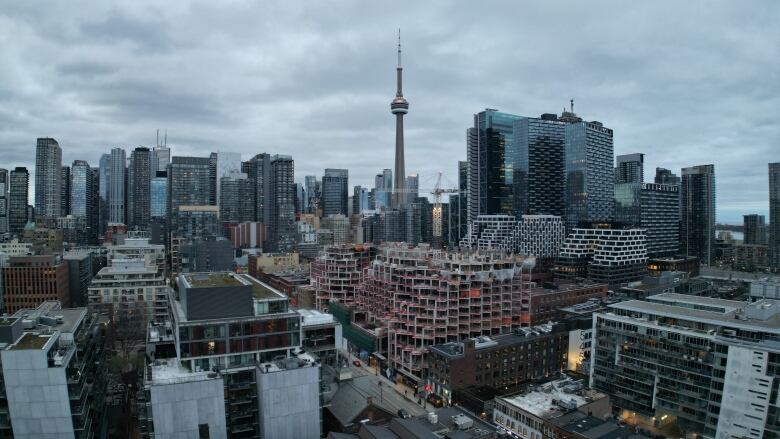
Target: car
[403, 414]
[357, 363]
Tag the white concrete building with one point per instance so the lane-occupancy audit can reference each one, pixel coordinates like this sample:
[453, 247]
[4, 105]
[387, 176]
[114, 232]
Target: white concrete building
[532, 235]
[131, 285]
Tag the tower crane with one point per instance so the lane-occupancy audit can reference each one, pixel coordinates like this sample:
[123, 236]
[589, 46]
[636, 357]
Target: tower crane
[437, 211]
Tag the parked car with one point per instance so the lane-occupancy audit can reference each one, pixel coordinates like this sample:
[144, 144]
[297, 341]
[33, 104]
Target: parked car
[357, 363]
[403, 414]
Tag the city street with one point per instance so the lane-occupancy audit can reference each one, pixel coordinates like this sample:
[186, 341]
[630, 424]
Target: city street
[388, 394]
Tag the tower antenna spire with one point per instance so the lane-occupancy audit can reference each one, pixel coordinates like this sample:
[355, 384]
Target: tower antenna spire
[399, 47]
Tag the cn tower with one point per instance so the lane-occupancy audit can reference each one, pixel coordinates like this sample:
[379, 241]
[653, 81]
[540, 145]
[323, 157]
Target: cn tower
[399, 107]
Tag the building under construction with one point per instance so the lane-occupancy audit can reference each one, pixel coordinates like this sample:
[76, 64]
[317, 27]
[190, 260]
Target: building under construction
[337, 272]
[426, 297]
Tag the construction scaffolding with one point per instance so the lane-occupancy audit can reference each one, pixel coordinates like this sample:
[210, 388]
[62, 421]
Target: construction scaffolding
[426, 297]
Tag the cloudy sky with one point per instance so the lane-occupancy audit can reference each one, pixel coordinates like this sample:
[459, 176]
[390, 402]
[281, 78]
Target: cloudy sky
[686, 83]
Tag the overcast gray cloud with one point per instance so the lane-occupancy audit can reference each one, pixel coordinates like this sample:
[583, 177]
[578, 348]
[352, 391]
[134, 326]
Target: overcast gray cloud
[684, 82]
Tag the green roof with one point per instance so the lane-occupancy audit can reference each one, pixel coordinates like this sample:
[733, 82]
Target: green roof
[203, 280]
[31, 341]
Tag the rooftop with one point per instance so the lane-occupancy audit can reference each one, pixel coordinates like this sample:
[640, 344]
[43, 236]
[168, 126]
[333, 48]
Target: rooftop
[455, 349]
[171, 372]
[764, 314]
[215, 279]
[31, 341]
[554, 398]
[261, 290]
[313, 317]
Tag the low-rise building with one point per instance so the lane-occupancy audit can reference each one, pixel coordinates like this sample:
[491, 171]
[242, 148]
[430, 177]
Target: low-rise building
[767, 288]
[271, 262]
[751, 257]
[321, 335]
[536, 412]
[546, 300]
[498, 362]
[131, 288]
[688, 264]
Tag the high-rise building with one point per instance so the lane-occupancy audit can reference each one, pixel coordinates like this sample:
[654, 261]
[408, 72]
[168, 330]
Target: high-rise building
[80, 188]
[590, 176]
[258, 170]
[338, 271]
[104, 172]
[188, 185]
[412, 187]
[18, 192]
[359, 200]
[538, 165]
[117, 174]
[383, 189]
[630, 168]
[700, 366]
[235, 190]
[655, 208]
[399, 107]
[774, 215]
[48, 177]
[139, 178]
[65, 191]
[665, 176]
[697, 213]
[754, 229]
[227, 163]
[283, 232]
[160, 158]
[335, 192]
[3, 201]
[158, 191]
[490, 144]
[312, 193]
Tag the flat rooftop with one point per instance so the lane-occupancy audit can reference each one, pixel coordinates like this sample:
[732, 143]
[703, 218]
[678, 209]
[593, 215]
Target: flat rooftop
[456, 349]
[770, 324]
[554, 398]
[171, 372]
[261, 290]
[313, 317]
[49, 315]
[210, 280]
[31, 340]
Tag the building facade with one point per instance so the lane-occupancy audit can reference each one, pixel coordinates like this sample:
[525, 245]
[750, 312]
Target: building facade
[655, 208]
[48, 178]
[697, 213]
[774, 216]
[708, 365]
[131, 288]
[630, 168]
[29, 281]
[18, 192]
[590, 175]
[335, 192]
[139, 178]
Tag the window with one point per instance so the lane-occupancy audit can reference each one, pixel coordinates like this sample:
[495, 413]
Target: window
[203, 431]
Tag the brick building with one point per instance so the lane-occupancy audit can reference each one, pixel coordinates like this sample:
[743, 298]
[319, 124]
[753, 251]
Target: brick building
[498, 362]
[31, 280]
[546, 301]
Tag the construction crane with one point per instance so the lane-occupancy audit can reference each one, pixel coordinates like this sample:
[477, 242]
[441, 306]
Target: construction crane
[437, 211]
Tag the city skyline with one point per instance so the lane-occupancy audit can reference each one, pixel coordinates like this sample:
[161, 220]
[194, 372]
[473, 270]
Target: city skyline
[110, 77]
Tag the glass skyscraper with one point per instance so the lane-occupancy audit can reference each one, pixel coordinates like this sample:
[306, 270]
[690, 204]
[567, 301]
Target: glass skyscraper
[3, 201]
[590, 175]
[18, 191]
[116, 186]
[158, 204]
[188, 185]
[335, 192]
[538, 170]
[630, 168]
[283, 230]
[492, 159]
[80, 188]
[697, 213]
